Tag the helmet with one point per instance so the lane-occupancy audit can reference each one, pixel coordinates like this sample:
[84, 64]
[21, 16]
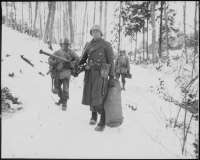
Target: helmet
[64, 40]
[97, 27]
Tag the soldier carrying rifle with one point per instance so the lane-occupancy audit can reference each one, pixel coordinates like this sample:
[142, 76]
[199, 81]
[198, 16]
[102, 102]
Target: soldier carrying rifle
[61, 71]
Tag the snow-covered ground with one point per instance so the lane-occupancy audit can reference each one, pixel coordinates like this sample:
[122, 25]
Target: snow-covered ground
[42, 130]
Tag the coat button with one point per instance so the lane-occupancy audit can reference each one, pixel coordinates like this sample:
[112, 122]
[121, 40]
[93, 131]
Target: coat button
[90, 60]
[100, 53]
[98, 60]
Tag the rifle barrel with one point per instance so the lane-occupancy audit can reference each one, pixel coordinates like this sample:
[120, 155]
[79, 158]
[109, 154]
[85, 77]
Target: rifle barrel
[51, 55]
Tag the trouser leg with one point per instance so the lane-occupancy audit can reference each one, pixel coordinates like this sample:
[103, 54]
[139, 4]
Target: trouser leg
[58, 86]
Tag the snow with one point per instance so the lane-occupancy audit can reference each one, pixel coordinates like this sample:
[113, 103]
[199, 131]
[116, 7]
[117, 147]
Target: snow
[42, 130]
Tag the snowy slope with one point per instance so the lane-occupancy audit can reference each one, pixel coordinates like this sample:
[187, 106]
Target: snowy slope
[43, 130]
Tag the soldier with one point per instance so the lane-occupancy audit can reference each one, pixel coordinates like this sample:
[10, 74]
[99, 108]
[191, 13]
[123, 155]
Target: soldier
[100, 63]
[122, 67]
[63, 70]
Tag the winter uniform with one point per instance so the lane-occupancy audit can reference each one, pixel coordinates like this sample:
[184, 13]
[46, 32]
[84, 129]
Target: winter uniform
[98, 54]
[122, 66]
[63, 73]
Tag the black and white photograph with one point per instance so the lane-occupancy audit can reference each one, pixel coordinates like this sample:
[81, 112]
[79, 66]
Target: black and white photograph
[100, 79]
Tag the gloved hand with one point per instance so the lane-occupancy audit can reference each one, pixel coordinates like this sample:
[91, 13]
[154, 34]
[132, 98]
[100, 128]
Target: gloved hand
[111, 81]
[128, 72]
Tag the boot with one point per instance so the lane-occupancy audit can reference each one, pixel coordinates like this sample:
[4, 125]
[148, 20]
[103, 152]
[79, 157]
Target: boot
[101, 124]
[93, 120]
[123, 88]
[59, 102]
[64, 106]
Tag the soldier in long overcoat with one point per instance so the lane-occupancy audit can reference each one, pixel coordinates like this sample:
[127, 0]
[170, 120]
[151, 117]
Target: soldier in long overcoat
[122, 67]
[62, 71]
[99, 59]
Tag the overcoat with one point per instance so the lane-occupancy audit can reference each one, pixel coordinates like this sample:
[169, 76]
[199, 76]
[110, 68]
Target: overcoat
[99, 51]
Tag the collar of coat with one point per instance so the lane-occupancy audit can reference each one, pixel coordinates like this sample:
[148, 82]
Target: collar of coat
[99, 44]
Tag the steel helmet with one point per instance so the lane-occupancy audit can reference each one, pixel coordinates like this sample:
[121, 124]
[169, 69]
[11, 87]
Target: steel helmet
[64, 40]
[97, 27]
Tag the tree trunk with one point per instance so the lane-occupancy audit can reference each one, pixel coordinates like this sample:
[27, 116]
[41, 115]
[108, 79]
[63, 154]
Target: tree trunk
[41, 32]
[100, 13]
[47, 24]
[195, 29]
[185, 47]
[143, 41]
[160, 41]
[83, 31]
[51, 28]
[70, 22]
[135, 48]
[119, 27]
[105, 20]
[87, 28]
[36, 8]
[6, 19]
[31, 19]
[11, 16]
[22, 18]
[94, 12]
[147, 32]
[153, 30]
[166, 28]
[15, 15]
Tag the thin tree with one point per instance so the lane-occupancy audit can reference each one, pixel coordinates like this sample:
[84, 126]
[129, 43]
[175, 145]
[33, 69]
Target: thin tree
[166, 28]
[11, 16]
[15, 15]
[22, 17]
[160, 40]
[153, 30]
[36, 8]
[143, 40]
[135, 46]
[52, 20]
[185, 47]
[48, 21]
[147, 45]
[119, 26]
[31, 18]
[105, 20]
[6, 19]
[84, 24]
[41, 32]
[195, 29]
[94, 12]
[100, 13]
[70, 21]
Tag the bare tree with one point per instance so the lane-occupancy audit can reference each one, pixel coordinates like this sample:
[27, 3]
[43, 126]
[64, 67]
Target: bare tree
[36, 8]
[166, 28]
[147, 31]
[15, 15]
[70, 21]
[119, 26]
[48, 21]
[52, 20]
[6, 19]
[160, 42]
[105, 20]
[22, 17]
[153, 30]
[185, 47]
[195, 29]
[94, 12]
[41, 32]
[100, 13]
[83, 31]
